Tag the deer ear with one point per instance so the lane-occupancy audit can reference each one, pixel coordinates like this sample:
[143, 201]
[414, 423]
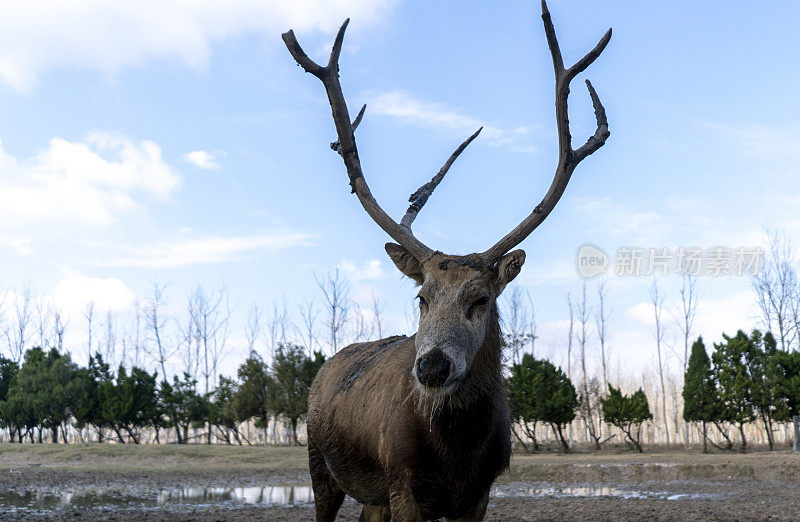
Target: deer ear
[405, 262]
[508, 268]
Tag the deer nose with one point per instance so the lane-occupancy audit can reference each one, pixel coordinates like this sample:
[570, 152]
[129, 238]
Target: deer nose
[433, 368]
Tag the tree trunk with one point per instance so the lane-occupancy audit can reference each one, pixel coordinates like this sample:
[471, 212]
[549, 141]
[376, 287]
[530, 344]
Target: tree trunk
[519, 439]
[705, 437]
[796, 420]
[560, 434]
[768, 427]
[724, 433]
[294, 433]
[743, 449]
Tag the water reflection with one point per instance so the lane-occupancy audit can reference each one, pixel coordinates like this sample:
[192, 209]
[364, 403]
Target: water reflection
[272, 495]
[545, 489]
[93, 497]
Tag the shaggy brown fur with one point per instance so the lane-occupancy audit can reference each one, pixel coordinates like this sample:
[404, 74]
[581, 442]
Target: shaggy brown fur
[378, 436]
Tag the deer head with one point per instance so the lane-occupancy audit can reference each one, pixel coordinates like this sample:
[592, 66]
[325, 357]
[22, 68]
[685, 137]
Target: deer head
[458, 294]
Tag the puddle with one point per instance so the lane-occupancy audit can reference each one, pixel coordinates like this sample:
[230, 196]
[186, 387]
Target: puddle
[119, 499]
[95, 498]
[545, 490]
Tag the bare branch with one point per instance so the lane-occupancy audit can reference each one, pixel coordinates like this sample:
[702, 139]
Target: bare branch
[420, 197]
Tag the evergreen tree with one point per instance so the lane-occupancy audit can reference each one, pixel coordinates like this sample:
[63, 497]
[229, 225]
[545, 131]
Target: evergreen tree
[8, 370]
[184, 404]
[43, 393]
[222, 412]
[91, 383]
[764, 383]
[700, 401]
[627, 413]
[133, 401]
[540, 392]
[253, 397]
[786, 367]
[293, 372]
[731, 370]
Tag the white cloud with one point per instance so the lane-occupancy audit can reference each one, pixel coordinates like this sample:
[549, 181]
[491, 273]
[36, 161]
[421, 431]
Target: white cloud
[75, 291]
[209, 250]
[107, 36]
[399, 105]
[370, 269]
[202, 159]
[22, 245]
[89, 182]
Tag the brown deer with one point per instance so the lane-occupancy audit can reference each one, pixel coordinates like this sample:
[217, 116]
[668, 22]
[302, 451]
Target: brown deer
[417, 428]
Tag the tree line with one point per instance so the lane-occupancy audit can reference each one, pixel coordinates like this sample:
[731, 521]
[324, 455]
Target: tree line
[48, 393]
[747, 379]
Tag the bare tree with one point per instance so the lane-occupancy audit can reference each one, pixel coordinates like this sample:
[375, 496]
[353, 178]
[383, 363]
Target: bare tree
[516, 334]
[589, 388]
[689, 298]
[309, 314]
[19, 334]
[209, 316]
[253, 329]
[43, 317]
[361, 328]
[570, 334]
[601, 321]
[776, 286]
[110, 340]
[59, 328]
[153, 313]
[335, 291]
[688, 311]
[88, 314]
[532, 335]
[277, 326]
[657, 299]
[136, 335]
[377, 313]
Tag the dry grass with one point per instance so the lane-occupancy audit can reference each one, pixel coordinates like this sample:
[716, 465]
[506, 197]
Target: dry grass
[146, 456]
[583, 466]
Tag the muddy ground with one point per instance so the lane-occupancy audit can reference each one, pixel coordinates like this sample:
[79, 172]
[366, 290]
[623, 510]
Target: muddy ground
[38, 482]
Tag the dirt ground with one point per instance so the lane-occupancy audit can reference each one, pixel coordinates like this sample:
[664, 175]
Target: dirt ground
[660, 485]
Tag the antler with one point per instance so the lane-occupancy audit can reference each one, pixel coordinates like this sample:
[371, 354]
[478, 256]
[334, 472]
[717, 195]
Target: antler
[568, 158]
[346, 147]
[346, 144]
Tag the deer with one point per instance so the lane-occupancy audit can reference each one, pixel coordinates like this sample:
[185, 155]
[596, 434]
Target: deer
[417, 428]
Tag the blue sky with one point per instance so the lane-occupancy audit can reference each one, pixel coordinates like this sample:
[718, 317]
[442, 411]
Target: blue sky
[178, 142]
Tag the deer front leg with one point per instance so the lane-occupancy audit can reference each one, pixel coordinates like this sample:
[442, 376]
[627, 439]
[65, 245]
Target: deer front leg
[402, 505]
[478, 512]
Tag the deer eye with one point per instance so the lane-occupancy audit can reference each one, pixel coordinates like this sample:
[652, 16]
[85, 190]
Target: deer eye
[477, 304]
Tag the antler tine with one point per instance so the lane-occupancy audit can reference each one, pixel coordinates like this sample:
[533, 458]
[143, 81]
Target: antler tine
[336, 145]
[568, 158]
[346, 145]
[421, 195]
